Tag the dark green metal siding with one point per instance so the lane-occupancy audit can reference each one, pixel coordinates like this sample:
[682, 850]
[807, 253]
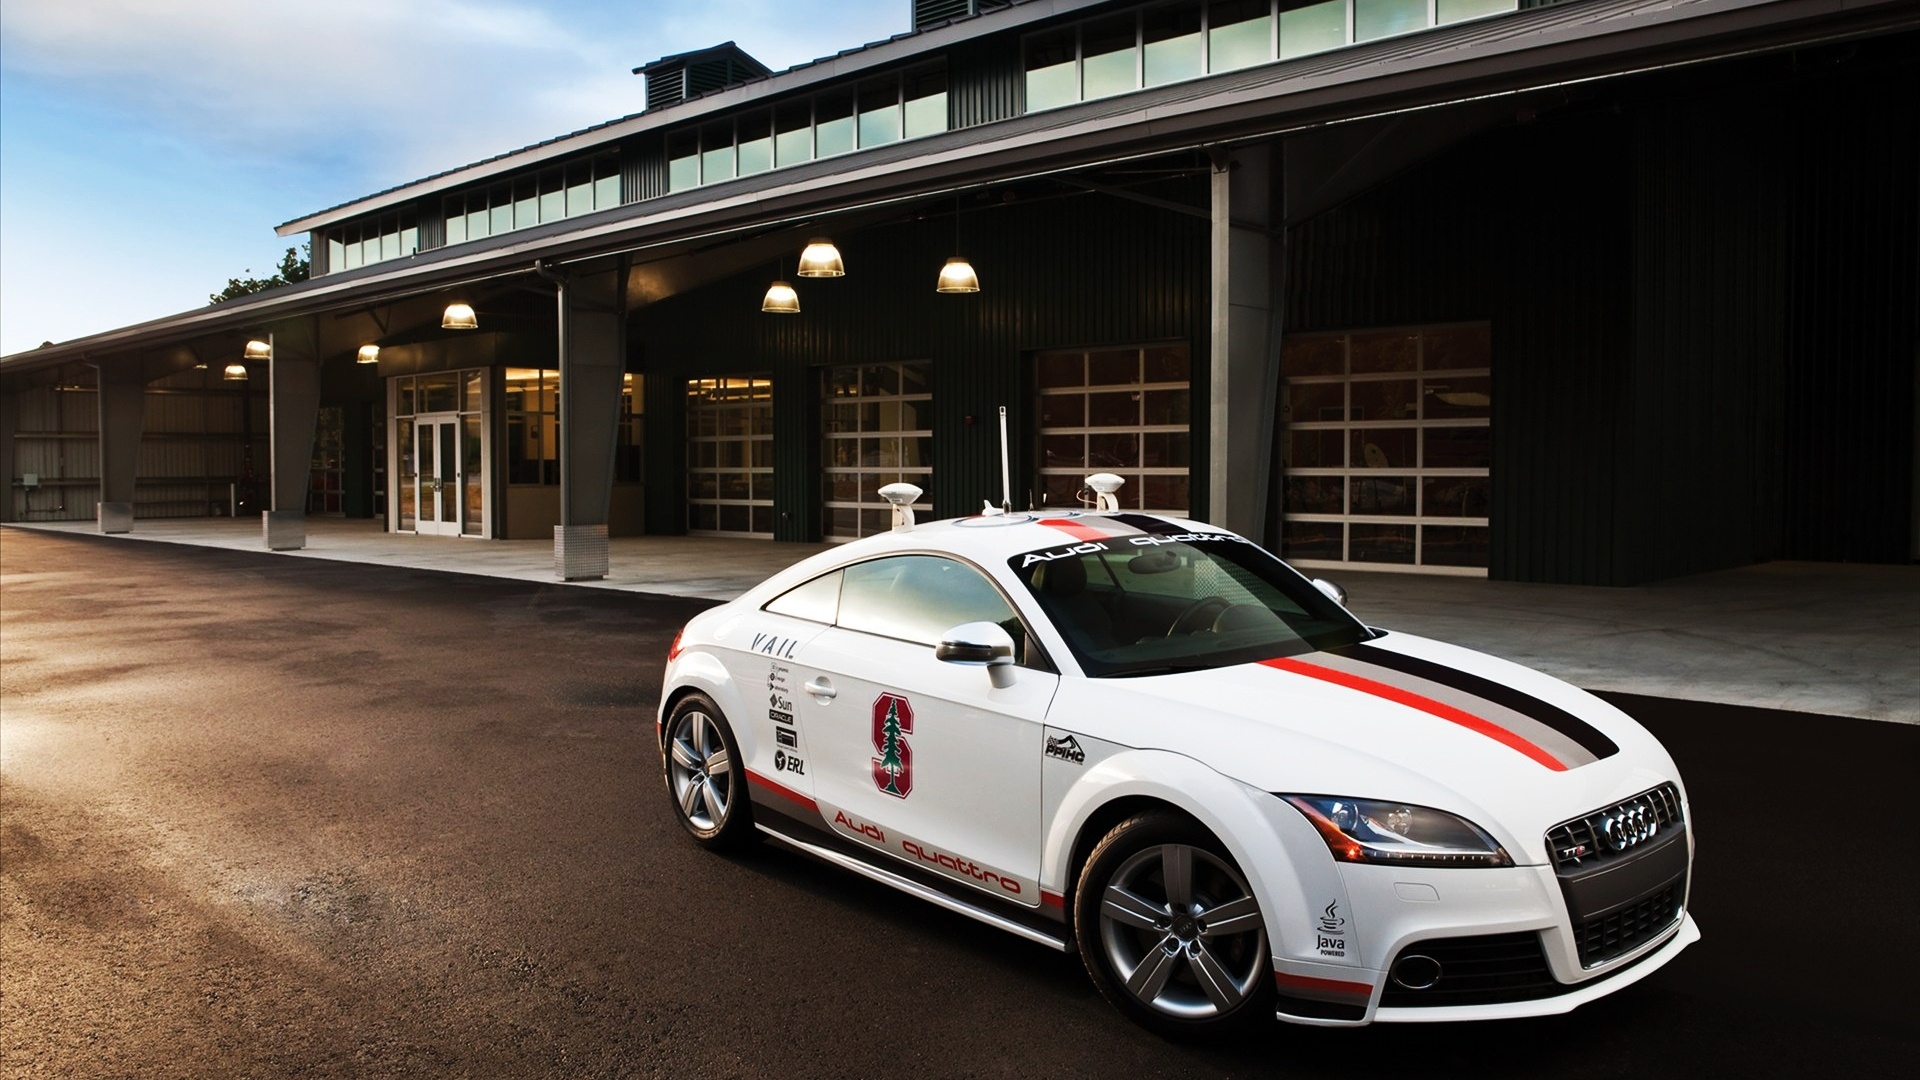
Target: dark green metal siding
[1703, 302]
[1055, 272]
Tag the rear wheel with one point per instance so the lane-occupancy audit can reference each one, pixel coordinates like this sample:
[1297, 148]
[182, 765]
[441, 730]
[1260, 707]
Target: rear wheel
[705, 776]
[1170, 930]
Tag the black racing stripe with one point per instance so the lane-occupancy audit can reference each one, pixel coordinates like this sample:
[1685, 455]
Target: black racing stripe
[1586, 735]
[1152, 526]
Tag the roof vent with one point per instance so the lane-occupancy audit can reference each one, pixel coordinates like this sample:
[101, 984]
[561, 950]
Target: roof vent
[932, 12]
[674, 79]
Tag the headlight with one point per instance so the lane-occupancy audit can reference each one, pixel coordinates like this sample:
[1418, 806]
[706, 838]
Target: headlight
[1395, 834]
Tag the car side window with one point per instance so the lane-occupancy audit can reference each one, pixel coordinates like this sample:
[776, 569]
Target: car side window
[815, 601]
[920, 597]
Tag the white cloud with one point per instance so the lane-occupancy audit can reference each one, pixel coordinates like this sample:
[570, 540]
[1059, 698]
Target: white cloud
[409, 87]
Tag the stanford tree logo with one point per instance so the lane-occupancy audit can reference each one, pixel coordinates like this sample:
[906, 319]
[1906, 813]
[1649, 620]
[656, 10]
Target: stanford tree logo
[893, 769]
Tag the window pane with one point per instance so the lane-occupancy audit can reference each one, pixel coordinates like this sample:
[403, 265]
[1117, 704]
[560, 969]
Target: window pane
[716, 153]
[880, 113]
[526, 203]
[1455, 496]
[1382, 543]
[683, 162]
[579, 191]
[1311, 540]
[756, 143]
[1448, 398]
[1379, 18]
[1454, 545]
[606, 190]
[1052, 77]
[1316, 495]
[1062, 369]
[793, 134]
[1172, 37]
[1385, 352]
[926, 112]
[1313, 28]
[1385, 495]
[336, 252]
[1109, 63]
[1307, 402]
[1450, 11]
[1395, 399]
[553, 195]
[1314, 356]
[833, 125]
[478, 220]
[1239, 34]
[1458, 448]
[1384, 448]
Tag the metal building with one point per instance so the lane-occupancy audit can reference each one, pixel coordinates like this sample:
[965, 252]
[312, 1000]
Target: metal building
[1600, 291]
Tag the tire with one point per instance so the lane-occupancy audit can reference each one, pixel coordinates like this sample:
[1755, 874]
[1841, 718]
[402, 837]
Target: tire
[1170, 931]
[706, 779]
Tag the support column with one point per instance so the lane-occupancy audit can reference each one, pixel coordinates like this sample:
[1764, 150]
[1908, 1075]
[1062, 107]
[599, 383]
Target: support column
[1244, 358]
[293, 408]
[123, 417]
[9, 459]
[593, 357]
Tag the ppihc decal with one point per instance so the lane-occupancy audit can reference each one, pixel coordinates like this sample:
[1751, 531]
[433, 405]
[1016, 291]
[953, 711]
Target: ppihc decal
[1066, 748]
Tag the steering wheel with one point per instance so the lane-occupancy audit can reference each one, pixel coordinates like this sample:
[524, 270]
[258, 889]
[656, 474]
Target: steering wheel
[1199, 616]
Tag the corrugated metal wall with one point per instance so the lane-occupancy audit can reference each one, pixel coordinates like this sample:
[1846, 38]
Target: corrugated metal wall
[984, 83]
[1055, 272]
[193, 447]
[1703, 299]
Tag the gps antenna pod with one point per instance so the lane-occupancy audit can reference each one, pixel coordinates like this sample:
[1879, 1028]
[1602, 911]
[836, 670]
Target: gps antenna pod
[1104, 484]
[902, 496]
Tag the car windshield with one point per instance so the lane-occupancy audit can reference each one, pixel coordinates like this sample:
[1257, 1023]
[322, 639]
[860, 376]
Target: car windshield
[1158, 604]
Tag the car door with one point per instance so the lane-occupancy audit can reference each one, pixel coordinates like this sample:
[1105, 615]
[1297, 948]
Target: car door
[925, 760]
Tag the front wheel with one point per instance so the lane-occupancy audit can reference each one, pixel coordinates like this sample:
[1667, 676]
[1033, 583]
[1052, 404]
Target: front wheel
[1170, 930]
[705, 776]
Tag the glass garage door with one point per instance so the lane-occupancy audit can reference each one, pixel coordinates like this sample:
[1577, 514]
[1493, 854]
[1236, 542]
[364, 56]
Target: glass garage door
[1123, 411]
[877, 429]
[1389, 449]
[730, 456]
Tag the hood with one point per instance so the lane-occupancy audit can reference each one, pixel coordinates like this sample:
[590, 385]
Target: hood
[1399, 718]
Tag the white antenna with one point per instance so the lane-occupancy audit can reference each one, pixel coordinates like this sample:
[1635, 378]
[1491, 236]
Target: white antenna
[902, 496]
[1104, 484]
[1006, 484]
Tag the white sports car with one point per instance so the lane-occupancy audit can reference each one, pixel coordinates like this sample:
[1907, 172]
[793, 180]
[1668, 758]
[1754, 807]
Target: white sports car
[1150, 737]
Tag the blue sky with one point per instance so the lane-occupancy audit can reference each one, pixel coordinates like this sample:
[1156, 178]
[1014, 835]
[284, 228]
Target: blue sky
[149, 147]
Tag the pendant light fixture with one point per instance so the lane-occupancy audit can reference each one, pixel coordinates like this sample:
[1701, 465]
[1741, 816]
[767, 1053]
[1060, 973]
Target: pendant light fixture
[368, 354]
[255, 350]
[459, 316]
[235, 372]
[780, 298]
[821, 259]
[957, 276]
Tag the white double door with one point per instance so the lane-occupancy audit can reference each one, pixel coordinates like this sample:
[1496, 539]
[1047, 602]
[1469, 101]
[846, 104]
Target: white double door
[440, 468]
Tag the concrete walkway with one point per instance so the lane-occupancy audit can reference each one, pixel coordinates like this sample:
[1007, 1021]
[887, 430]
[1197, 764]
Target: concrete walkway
[1828, 638]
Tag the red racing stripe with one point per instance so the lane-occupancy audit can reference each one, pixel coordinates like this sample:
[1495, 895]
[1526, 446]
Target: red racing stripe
[1324, 986]
[780, 789]
[1074, 529]
[1417, 701]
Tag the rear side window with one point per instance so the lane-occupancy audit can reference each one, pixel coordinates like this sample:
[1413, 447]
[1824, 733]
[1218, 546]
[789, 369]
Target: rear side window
[816, 601]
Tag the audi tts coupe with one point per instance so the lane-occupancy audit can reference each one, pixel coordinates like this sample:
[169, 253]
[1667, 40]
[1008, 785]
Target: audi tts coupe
[1150, 740]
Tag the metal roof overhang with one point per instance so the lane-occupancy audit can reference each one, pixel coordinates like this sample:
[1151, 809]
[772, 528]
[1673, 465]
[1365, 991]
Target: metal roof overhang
[1548, 47]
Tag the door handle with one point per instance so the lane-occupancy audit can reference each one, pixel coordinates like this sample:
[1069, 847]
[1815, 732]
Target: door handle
[820, 688]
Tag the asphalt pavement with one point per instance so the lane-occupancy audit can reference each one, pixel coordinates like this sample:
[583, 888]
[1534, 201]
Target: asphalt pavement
[279, 817]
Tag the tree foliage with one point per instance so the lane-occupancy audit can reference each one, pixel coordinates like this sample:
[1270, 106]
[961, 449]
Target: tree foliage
[294, 266]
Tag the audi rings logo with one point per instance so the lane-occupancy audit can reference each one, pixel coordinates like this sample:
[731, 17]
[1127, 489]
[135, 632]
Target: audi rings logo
[1629, 826]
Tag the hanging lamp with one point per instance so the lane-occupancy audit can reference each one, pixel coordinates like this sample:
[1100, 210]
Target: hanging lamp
[821, 259]
[957, 276]
[780, 298]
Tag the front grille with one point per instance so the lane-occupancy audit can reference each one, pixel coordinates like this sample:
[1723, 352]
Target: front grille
[1620, 932]
[1581, 844]
[1485, 970]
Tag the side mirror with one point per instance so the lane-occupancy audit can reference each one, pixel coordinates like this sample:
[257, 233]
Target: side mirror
[1333, 592]
[979, 644]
